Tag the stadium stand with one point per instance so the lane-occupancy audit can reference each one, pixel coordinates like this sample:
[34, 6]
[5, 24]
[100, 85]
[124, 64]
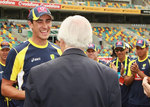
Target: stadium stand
[110, 33]
[7, 36]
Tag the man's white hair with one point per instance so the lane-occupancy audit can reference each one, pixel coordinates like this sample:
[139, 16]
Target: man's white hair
[76, 31]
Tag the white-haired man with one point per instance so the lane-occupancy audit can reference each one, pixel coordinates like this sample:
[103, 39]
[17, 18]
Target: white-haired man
[73, 79]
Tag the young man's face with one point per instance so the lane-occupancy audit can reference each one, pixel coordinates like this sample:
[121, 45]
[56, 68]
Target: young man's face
[41, 27]
[120, 52]
[4, 53]
[91, 53]
[141, 52]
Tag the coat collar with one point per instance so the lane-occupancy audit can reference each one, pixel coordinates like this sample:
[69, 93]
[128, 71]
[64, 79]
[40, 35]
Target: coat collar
[73, 51]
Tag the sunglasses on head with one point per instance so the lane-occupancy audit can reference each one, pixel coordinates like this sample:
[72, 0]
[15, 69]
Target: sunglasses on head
[121, 49]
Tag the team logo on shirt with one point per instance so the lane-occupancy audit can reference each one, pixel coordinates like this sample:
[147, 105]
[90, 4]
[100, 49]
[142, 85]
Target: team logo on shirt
[52, 56]
[137, 77]
[35, 59]
[144, 65]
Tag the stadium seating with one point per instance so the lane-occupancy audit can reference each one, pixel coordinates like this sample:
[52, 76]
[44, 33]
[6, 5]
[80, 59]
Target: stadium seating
[109, 34]
[114, 34]
[102, 4]
[7, 36]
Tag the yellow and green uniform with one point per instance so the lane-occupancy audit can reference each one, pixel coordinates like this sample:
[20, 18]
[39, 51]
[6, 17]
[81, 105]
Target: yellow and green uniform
[4, 102]
[124, 89]
[25, 56]
[136, 94]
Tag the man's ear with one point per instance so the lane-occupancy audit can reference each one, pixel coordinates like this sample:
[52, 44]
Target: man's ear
[30, 24]
[62, 42]
[98, 51]
[147, 48]
[62, 45]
